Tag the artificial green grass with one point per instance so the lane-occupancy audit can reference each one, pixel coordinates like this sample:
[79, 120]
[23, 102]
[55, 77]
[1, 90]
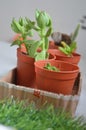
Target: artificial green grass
[26, 117]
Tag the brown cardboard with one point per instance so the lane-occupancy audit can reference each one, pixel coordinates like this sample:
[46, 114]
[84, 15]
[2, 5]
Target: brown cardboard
[39, 97]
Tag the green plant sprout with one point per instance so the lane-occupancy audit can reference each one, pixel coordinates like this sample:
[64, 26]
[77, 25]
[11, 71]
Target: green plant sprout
[74, 35]
[22, 28]
[66, 49]
[69, 49]
[42, 25]
[61, 37]
[48, 66]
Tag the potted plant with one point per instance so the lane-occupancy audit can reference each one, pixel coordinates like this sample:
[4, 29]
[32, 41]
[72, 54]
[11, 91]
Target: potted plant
[33, 50]
[58, 37]
[60, 80]
[21, 115]
[66, 53]
[66, 46]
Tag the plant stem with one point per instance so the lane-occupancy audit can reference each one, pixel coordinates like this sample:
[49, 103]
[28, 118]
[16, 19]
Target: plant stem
[43, 39]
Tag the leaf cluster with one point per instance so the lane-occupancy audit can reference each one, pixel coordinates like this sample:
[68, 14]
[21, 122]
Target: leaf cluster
[66, 49]
[21, 27]
[75, 33]
[59, 37]
[69, 49]
[25, 27]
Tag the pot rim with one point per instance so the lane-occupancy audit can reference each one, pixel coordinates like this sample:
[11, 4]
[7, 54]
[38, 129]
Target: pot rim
[64, 72]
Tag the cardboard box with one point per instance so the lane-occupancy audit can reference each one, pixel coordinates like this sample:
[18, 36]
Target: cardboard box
[9, 88]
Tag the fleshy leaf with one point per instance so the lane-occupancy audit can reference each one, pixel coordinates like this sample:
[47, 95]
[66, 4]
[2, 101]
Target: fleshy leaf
[63, 50]
[75, 33]
[73, 46]
[40, 56]
[33, 48]
[48, 33]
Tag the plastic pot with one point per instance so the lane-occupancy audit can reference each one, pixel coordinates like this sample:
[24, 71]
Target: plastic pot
[57, 82]
[74, 59]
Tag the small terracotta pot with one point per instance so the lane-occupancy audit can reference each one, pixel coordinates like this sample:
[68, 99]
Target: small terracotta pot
[25, 69]
[57, 82]
[74, 59]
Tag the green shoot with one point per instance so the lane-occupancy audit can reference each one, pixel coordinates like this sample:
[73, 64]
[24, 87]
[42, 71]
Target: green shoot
[48, 66]
[66, 49]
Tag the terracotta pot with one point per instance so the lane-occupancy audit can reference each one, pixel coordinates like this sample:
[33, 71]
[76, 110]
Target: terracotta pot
[74, 59]
[25, 69]
[23, 48]
[57, 82]
[52, 45]
[53, 51]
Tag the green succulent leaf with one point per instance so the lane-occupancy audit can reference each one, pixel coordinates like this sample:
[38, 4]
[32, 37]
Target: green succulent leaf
[30, 33]
[48, 33]
[42, 19]
[21, 21]
[14, 26]
[30, 24]
[17, 42]
[50, 22]
[66, 49]
[48, 66]
[75, 33]
[63, 50]
[17, 27]
[33, 48]
[37, 13]
[40, 56]
[47, 19]
[73, 46]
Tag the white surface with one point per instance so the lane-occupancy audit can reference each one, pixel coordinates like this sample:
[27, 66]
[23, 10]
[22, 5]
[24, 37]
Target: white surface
[7, 57]
[2, 127]
[8, 61]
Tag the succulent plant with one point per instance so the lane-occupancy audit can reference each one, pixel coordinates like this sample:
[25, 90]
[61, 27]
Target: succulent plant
[68, 39]
[66, 49]
[25, 27]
